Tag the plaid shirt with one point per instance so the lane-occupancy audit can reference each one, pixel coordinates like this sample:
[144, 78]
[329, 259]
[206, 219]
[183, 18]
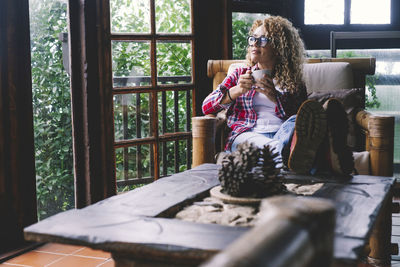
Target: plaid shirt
[241, 114]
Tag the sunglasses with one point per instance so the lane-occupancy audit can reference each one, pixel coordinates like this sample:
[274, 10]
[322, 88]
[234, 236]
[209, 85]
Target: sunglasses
[262, 41]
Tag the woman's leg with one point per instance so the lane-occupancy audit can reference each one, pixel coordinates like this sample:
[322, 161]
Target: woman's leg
[258, 139]
[284, 135]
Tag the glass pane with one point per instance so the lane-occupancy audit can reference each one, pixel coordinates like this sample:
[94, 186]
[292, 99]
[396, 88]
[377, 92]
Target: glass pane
[171, 163]
[131, 63]
[241, 24]
[170, 118]
[183, 153]
[174, 62]
[51, 108]
[132, 162]
[129, 16]
[324, 12]
[370, 12]
[183, 109]
[167, 161]
[173, 16]
[166, 112]
[384, 88]
[131, 116]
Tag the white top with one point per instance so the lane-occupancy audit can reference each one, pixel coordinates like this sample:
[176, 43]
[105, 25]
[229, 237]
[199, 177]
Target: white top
[267, 120]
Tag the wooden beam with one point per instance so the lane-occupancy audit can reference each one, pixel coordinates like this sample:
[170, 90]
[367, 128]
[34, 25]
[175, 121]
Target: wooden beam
[17, 164]
[212, 40]
[92, 104]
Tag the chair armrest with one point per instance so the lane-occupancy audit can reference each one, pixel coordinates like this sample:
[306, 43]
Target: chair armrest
[379, 134]
[203, 137]
[208, 133]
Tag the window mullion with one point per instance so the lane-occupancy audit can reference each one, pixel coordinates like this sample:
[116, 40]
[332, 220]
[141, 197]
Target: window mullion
[154, 98]
[347, 12]
[139, 135]
[176, 129]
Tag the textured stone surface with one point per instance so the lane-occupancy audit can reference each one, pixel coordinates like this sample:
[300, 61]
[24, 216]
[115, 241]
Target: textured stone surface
[213, 210]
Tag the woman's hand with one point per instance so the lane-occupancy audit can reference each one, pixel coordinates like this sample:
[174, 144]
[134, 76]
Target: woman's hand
[266, 86]
[245, 82]
[244, 85]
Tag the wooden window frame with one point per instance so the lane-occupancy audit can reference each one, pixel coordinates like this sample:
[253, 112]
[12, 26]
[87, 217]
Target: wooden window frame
[91, 80]
[318, 36]
[157, 140]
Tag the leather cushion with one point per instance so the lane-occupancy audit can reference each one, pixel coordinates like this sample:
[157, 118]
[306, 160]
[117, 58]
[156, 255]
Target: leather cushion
[352, 100]
[327, 76]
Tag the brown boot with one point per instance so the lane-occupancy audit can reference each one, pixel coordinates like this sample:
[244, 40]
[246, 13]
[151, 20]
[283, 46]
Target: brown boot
[310, 131]
[339, 154]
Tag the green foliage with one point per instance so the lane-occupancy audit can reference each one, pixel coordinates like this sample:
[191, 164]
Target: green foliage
[51, 107]
[173, 16]
[51, 95]
[130, 16]
[240, 31]
[371, 99]
[127, 188]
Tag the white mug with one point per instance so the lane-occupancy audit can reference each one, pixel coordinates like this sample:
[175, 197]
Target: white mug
[258, 74]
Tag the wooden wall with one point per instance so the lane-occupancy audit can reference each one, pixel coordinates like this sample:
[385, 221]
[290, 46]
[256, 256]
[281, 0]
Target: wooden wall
[17, 165]
[212, 28]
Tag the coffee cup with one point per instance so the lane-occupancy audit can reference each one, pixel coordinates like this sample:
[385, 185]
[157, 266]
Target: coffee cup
[259, 74]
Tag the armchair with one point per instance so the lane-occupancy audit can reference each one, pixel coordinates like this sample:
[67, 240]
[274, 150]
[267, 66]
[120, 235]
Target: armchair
[372, 133]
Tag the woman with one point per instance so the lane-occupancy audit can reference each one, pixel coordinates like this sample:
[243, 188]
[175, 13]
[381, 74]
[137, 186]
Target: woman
[263, 111]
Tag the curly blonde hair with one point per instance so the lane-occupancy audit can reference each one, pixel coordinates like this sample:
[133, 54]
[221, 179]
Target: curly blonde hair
[289, 47]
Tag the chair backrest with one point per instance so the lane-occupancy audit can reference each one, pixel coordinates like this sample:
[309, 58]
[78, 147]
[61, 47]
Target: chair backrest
[319, 74]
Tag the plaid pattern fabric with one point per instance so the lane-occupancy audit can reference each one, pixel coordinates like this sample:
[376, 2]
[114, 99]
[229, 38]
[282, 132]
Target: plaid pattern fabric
[241, 114]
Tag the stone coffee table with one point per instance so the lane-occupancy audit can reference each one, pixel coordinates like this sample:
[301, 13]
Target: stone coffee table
[140, 225]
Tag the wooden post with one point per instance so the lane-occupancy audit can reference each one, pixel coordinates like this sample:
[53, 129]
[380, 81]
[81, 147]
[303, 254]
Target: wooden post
[380, 240]
[92, 101]
[212, 40]
[381, 144]
[17, 155]
[203, 133]
[379, 141]
[292, 231]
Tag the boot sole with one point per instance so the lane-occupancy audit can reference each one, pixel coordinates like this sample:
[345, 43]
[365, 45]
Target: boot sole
[341, 156]
[310, 129]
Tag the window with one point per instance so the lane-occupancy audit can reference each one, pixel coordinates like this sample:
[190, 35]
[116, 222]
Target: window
[51, 108]
[334, 12]
[152, 62]
[370, 12]
[323, 12]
